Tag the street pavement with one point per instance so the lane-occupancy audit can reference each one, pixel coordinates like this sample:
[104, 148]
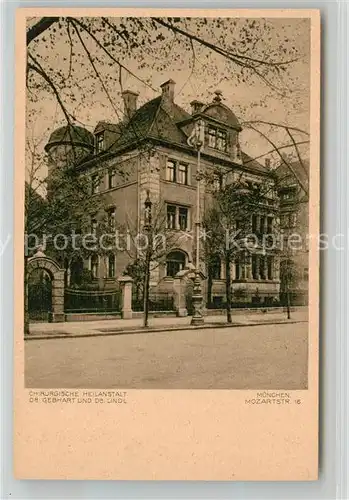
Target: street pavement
[250, 357]
[164, 322]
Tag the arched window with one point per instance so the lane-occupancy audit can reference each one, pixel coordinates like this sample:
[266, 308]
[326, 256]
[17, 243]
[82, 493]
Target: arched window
[175, 262]
[94, 266]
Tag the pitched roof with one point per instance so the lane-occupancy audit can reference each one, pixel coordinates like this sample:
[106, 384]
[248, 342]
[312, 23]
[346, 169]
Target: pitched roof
[293, 172]
[252, 164]
[111, 127]
[152, 120]
[157, 120]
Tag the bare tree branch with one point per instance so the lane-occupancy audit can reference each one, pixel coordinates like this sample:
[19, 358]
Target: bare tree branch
[286, 146]
[279, 125]
[298, 154]
[305, 189]
[40, 27]
[84, 27]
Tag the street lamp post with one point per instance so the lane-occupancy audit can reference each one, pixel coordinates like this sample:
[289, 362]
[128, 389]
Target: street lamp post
[197, 297]
[148, 228]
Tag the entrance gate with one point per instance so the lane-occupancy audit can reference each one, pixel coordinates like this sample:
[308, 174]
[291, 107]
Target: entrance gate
[39, 296]
[45, 282]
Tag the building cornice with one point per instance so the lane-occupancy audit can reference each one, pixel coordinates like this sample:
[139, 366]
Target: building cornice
[172, 145]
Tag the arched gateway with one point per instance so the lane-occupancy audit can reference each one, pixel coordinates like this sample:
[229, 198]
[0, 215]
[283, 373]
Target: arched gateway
[57, 277]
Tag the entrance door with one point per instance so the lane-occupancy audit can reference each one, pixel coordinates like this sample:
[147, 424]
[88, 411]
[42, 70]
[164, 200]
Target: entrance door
[39, 295]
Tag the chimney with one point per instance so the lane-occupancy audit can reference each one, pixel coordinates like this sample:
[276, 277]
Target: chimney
[130, 103]
[196, 106]
[218, 96]
[168, 91]
[267, 163]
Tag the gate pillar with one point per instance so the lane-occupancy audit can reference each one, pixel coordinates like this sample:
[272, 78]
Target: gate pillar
[126, 299]
[179, 294]
[57, 315]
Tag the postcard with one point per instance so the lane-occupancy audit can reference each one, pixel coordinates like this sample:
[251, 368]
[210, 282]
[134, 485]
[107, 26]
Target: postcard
[167, 244]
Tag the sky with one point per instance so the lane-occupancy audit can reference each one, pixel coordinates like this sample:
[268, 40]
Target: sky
[196, 78]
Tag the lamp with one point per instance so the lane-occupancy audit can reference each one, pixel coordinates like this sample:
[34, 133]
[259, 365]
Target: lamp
[147, 211]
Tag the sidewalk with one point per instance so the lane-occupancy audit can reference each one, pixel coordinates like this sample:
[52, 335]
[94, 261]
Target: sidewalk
[135, 325]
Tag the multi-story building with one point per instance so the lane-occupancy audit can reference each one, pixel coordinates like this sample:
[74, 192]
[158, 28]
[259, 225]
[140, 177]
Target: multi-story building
[293, 185]
[148, 151]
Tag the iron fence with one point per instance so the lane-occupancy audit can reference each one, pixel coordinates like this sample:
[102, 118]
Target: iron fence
[160, 301]
[262, 300]
[255, 301]
[78, 301]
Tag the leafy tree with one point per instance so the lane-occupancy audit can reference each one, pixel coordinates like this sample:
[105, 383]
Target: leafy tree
[150, 246]
[82, 60]
[58, 209]
[99, 54]
[228, 226]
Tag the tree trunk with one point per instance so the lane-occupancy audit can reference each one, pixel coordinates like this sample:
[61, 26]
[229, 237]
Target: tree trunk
[288, 308]
[209, 287]
[146, 291]
[288, 303]
[26, 300]
[228, 289]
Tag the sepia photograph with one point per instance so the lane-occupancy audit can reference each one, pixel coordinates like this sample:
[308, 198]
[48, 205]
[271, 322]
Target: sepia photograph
[167, 192]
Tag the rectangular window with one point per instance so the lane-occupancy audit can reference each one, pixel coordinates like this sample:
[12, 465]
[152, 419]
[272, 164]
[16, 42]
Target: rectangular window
[94, 183]
[171, 217]
[221, 140]
[254, 267]
[99, 142]
[111, 178]
[254, 224]
[269, 225]
[270, 267]
[262, 225]
[212, 137]
[288, 220]
[182, 177]
[262, 273]
[94, 225]
[217, 138]
[177, 172]
[111, 266]
[111, 218]
[237, 269]
[171, 171]
[183, 218]
[94, 266]
[177, 217]
[288, 195]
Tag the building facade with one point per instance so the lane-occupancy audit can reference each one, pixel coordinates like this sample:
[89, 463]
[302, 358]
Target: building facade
[148, 154]
[292, 186]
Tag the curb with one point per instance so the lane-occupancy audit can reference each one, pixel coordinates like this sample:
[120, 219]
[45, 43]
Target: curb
[108, 333]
